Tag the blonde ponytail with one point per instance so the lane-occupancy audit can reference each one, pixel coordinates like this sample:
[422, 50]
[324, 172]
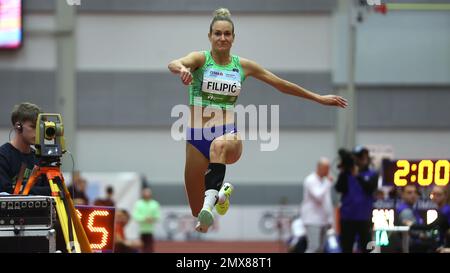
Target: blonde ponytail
[221, 14]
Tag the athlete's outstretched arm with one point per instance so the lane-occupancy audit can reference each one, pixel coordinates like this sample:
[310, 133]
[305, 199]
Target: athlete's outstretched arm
[253, 69]
[184, 66]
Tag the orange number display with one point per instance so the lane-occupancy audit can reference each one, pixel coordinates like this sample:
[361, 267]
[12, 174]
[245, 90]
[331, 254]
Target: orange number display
[98, 223]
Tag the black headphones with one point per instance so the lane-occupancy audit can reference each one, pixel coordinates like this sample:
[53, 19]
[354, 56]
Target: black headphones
[19, 127]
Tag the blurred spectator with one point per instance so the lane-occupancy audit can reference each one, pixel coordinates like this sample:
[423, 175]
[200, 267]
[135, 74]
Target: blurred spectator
[439, 195]
[108, 201]
[379, 195]
[394, 193]
[147, 212]
[121, 244]
[297, 242]
[77, 189]
[357, 183]
[317, 208]
[408, 214]
[406, 211]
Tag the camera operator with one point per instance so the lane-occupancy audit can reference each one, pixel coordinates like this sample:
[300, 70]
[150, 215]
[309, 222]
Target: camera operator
[19, 151]
[357, 184]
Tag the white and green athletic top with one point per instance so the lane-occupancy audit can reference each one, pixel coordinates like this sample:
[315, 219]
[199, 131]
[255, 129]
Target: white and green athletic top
[216, 85]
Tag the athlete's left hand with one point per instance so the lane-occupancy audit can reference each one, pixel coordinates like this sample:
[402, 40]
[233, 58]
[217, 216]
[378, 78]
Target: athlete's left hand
[334, 100]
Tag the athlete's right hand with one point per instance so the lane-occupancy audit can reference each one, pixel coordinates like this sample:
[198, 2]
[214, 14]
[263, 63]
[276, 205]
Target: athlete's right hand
[186, 76]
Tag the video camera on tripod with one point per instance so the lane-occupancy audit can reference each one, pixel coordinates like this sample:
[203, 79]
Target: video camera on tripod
[347, 160]
[49, 143]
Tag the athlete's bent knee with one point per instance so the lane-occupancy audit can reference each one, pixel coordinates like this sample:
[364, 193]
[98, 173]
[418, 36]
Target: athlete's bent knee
[218, 149]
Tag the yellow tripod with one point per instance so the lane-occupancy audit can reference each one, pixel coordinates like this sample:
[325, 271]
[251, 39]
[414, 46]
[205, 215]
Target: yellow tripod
[74, 234]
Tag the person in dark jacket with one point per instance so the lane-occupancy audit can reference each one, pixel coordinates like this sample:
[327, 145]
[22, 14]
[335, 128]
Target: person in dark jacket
[19, 152]
[357, 183]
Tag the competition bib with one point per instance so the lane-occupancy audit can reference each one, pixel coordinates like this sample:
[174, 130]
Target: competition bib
[221, 86]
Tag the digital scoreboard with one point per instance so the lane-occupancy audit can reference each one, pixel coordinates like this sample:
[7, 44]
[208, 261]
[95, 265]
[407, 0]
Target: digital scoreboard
[98, 223]
[423, 172]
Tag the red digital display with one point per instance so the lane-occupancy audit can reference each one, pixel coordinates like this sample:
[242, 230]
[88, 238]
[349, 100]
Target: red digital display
[98, 223]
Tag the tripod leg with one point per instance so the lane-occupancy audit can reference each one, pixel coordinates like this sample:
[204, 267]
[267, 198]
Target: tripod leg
[61, 214]
[31, 181]
[19, 181]
[82, 238]
[65, 219]
[64, 198]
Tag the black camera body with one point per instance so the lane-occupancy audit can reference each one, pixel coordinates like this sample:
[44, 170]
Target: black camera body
[347, 160]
